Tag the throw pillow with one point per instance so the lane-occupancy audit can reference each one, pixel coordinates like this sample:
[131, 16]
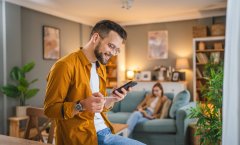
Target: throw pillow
[165, 109]
[180, 100]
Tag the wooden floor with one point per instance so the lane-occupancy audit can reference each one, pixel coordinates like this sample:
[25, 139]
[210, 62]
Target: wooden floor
[7, 140]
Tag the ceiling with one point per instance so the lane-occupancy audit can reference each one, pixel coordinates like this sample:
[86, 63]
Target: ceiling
[142, 11]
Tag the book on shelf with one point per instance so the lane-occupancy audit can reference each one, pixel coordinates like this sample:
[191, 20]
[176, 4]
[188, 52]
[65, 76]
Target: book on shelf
[215, 56]
[202, 58]
[199, 74]
[199, 84]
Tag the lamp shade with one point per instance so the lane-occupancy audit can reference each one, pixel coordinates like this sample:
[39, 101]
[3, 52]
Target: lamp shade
[130, 74]
[182, 63]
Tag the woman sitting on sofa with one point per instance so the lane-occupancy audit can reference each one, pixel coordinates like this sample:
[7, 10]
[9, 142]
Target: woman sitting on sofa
[150, 108]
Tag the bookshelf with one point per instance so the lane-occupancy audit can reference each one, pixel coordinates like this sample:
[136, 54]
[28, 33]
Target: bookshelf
[111, 68]
[116, 70]
[205, 48]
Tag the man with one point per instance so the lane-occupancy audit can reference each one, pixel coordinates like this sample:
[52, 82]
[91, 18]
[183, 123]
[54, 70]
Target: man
[76, 91]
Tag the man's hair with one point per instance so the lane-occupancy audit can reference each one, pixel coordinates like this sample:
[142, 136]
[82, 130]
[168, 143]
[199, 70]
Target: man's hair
[105, 26]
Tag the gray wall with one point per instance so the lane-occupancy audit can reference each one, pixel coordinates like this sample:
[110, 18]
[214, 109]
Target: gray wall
[14, 52]
[1, 69]
[85, 33]
[24, 44]
[179, 40]
[32, 22]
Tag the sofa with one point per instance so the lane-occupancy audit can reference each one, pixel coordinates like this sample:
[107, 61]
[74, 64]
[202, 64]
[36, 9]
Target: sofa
[169, 131]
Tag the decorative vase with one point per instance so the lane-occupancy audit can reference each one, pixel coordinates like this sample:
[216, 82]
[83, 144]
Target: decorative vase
[21, 111]
[201, 46]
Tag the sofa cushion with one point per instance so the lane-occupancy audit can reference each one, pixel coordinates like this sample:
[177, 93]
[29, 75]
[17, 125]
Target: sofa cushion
[165, 109]
[120, 117]
[157, 126]
[169, 95]
[130, 102]
[180, 100]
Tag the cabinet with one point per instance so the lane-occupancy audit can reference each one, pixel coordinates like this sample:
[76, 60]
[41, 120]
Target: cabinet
[204, 50]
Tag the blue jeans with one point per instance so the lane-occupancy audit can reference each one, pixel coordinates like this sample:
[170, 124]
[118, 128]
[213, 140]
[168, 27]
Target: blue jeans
[105, 137]
[135, 118]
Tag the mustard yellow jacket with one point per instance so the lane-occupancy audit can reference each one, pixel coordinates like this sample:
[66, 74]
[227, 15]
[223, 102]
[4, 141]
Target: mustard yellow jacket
[69, 81]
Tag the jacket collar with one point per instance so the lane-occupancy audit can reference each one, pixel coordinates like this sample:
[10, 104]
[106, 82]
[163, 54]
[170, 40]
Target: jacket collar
[86, 62]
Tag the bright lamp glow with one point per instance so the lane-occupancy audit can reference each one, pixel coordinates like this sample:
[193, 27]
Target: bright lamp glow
[182, 63]
[130, 74]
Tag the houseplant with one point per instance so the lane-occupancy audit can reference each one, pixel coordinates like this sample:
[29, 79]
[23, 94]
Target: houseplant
[20, 87]
[209, 112]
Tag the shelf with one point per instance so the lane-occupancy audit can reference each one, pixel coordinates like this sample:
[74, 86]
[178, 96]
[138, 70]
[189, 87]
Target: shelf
[201, 78]
[211, 50]
[211, 38]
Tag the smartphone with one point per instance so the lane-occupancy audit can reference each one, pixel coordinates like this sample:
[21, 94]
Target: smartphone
[126, 86]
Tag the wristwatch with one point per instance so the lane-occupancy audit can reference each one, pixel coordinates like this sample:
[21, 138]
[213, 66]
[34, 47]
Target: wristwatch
[79, 107]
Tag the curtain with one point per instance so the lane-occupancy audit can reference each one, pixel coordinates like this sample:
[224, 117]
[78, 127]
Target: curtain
[231, 93]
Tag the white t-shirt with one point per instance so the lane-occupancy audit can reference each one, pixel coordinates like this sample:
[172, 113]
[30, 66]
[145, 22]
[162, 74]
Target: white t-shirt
[153, 104]
[94, 84]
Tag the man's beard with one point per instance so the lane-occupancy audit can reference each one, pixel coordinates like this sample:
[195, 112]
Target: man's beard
[99, 55]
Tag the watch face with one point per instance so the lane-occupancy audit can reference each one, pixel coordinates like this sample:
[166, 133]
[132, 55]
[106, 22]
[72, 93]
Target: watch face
[79, 107]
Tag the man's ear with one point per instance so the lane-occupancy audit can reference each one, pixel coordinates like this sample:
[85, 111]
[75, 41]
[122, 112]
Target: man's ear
[95, 38]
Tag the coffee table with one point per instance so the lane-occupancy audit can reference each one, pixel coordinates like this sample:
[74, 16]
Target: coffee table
[121, 129]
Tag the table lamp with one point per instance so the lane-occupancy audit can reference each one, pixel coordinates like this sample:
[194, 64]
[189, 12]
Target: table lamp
[130, 74]
[181, 64]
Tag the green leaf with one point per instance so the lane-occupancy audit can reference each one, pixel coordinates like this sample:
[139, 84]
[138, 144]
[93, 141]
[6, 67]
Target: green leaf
[28, 67]
[22, 89]
[10, 91]
[23, 82]
[16, 73]
[33, 81]
[30, 93]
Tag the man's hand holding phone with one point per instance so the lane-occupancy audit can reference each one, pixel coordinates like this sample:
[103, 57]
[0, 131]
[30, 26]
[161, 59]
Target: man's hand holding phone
[116, 97]
[119, 94]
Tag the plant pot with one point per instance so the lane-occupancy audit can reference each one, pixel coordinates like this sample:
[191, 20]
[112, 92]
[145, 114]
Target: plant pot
[21, 111]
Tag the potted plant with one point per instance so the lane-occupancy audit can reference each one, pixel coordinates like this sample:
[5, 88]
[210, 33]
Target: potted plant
[209, 112]
[20, 88]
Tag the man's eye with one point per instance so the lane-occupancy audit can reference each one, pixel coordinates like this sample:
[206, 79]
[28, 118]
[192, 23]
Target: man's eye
[111, 45]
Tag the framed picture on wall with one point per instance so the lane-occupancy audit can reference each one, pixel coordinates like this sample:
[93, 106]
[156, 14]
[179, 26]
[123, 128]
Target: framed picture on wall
[146, 75]
[51, 43]
[158, 44]
[175, 76]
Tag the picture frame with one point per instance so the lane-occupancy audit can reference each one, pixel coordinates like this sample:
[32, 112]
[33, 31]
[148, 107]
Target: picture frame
[138, 76]
[158, 44]
[51, 42]
[146, 75]
[175, 76]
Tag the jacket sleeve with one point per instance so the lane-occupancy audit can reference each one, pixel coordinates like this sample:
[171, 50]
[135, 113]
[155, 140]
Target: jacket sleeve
[144, 102]
[58, 82]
